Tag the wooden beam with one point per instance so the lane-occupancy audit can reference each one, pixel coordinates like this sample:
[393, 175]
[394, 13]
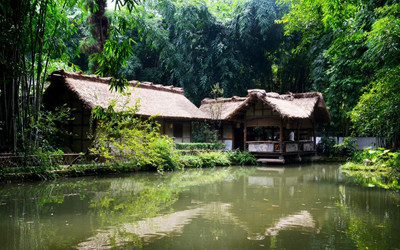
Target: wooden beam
[281, 137]
[233, 126]
[244, 136]
[314, 136]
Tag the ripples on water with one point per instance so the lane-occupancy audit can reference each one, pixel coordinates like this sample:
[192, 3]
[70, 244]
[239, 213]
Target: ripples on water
[296, 207]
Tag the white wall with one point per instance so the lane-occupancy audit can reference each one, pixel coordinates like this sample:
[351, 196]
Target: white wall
[361, 142]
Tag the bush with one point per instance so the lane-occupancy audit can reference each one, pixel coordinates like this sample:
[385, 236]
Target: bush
[168, 158]
[190, 161]
[123, 138]
[383, 169]
[212, 159]
[348, 147]
[242, 158]
[200, 145]
[377, 156]
[327, 147]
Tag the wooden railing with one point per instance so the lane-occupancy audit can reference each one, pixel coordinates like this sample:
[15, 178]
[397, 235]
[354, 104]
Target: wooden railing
[274, 146]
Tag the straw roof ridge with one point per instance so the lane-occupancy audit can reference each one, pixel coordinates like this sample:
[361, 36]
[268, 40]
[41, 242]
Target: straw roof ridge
[93, 91]
[106, 80]
[223, 100]
[289, 105]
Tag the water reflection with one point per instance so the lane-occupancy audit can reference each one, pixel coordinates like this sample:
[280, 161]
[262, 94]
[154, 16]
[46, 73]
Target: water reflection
[297, 207]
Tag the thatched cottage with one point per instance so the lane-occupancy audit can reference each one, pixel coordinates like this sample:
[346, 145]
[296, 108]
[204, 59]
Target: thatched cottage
[268, 124]
[84, 92]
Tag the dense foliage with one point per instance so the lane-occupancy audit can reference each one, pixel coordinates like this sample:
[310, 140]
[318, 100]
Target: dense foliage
[354, 49]
[200, 145]
[375, 167]
[347, 50]
[122, 137]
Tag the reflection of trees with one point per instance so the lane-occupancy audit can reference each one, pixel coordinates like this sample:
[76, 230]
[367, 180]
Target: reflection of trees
[262, 205]
[151, 197]
[370, 217]
[63, 212]
[118, 208]
[33, 215]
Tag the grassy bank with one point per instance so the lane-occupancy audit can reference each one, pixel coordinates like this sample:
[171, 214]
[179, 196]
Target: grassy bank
[180, 161]
[375, 168]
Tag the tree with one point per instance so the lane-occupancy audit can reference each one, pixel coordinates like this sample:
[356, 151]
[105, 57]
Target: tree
[193, 45]
[31, 41]
[378, 111]
[337, 37]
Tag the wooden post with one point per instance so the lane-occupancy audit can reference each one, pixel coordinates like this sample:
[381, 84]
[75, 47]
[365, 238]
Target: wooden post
[281, 137]
[245, 136]
[314, 137]
[233, 126]
[298, 137]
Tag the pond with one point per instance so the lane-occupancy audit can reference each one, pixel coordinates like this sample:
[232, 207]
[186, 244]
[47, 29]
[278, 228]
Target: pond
[296, 207]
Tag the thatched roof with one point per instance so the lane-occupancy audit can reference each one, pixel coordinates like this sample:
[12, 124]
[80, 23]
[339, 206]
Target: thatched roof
[164, 101]
[292, 106]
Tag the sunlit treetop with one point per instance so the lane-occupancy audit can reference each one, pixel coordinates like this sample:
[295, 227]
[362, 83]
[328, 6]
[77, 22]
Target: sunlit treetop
[223, 10]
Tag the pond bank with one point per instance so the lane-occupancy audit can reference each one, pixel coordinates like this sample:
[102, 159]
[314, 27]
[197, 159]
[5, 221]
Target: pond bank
[375, 168]
[201, 159]
[187, 161]
[381, 176]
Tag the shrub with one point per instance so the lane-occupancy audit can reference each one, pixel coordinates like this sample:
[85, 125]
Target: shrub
[242, 158]
[168, 158]
[121, 137]
[374, 155]
[200, 145]
[347, 147]
[190, 161]
[212, 159]
[327, 147]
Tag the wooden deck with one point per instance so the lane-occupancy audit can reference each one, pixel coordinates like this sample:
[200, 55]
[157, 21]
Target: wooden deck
[270, 160]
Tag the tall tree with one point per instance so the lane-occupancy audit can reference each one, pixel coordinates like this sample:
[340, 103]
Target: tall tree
[193, 45]
[334, 34]
[31, 40]
[378, 110]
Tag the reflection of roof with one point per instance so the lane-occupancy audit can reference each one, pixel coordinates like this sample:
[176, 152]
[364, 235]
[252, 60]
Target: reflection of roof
[165, 101]
[166, 225]
[302, 220]
[154, 228]
[297, 106]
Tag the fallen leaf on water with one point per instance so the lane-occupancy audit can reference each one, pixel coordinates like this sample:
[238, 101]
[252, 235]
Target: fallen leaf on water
[266, 200]
[275, 205]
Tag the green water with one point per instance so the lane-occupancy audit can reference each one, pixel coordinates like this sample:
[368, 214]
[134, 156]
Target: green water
[296, 207]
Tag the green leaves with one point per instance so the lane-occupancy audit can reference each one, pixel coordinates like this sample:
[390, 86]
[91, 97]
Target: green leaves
[113, 56]
[122, 137]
